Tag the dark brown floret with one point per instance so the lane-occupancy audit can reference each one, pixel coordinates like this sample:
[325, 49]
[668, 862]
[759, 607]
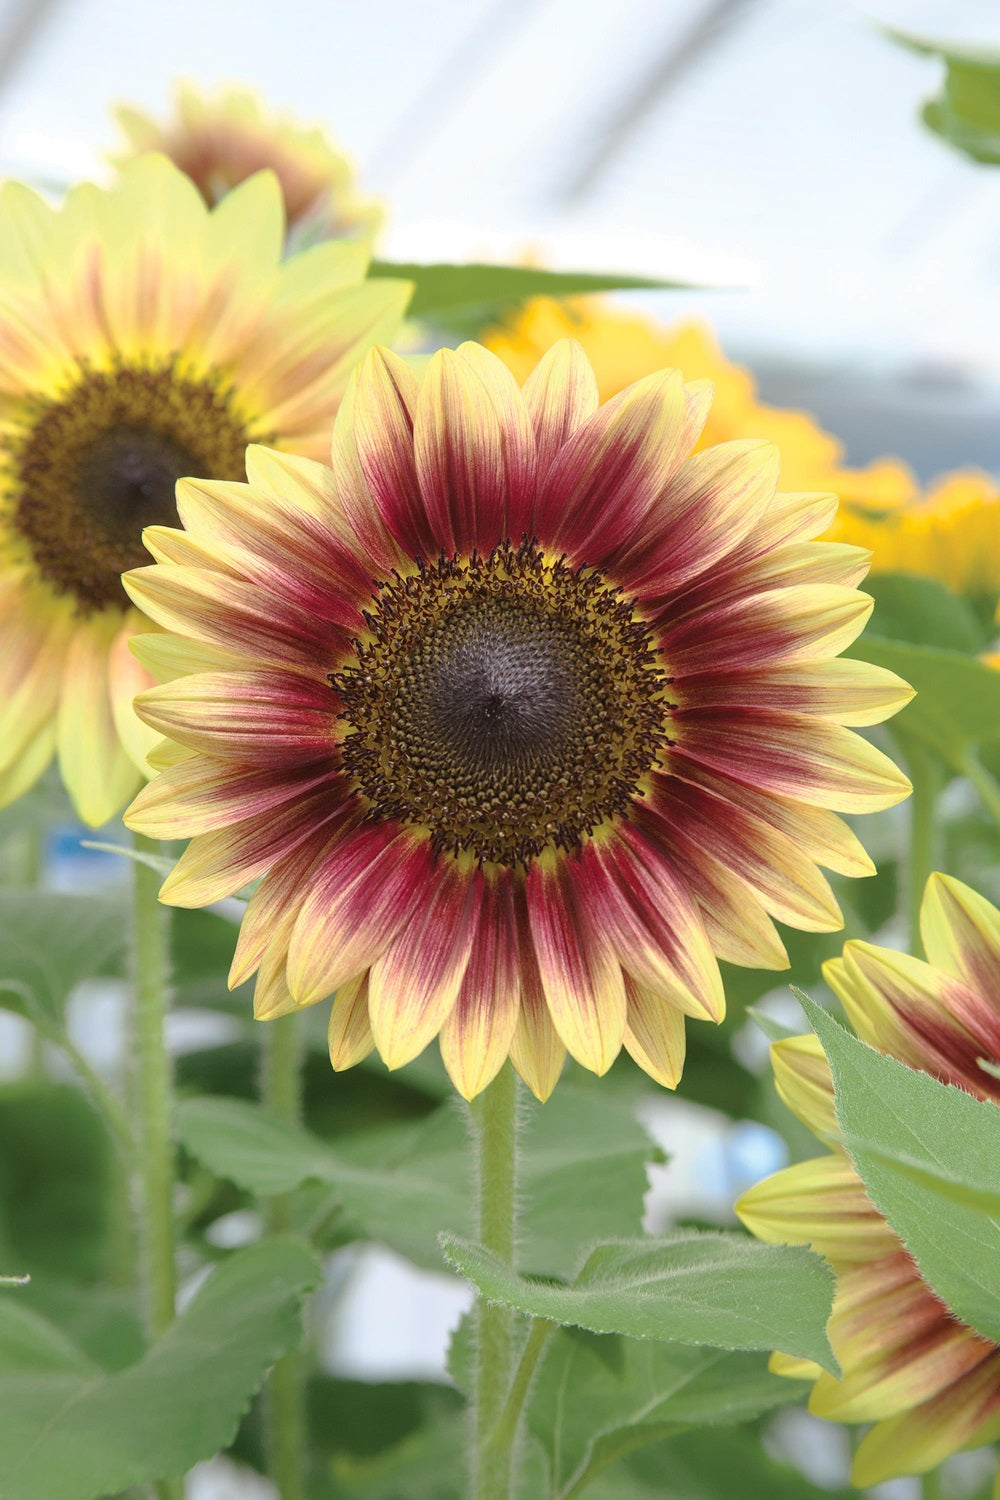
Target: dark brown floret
[506, 703]
[93, 467]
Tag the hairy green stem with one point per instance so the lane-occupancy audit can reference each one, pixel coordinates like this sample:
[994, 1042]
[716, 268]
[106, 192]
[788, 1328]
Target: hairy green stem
[505, 1431]
[284, 1398]
[23, 864]
[925, 774]
[153, 1091]
[495, 1115]
[151, 1098]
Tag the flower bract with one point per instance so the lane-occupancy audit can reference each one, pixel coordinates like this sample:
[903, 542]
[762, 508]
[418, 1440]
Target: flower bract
[929, 1384]
[142, 337]
[524, 712]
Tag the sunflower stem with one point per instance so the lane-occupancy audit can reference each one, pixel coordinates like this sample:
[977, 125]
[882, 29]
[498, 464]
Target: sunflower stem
[925, 775]
[505, 1431]
[23, 864]
[152, 1100]
[495, 1116]
[284, 1399]
[932, 1485]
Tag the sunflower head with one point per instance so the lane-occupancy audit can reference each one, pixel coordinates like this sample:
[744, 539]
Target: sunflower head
[525, 712]
[143, 337]
[220, 141]
[929, 1384]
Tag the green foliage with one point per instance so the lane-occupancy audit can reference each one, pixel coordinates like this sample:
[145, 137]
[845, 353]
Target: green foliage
[69, 1430]
[597, 1398]
[719, 1289]
[55, 1164]
[714, 1466]
[958, 698]
[49, 942]
[927, 1153]
[483, 292]
[582, 1172]
[966, 113]
[430, 1463]
[924, 612]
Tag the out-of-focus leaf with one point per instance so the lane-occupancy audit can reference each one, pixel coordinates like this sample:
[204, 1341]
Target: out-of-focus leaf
[55, 1172]
[442, 289]
[582, 1173]
[71, 1431]
[430, 1463]
[966, 113]
[958, 698]
[924, 612]
[714, 1465]
[49, 942]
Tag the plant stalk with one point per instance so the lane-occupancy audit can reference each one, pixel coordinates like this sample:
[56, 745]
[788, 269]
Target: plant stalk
[284, 1398]
[495, 1115]
[152, 1100]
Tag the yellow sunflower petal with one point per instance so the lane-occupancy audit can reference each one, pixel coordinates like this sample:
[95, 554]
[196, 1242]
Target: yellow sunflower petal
[98, 774]
[802, 1078]
[350, 1033]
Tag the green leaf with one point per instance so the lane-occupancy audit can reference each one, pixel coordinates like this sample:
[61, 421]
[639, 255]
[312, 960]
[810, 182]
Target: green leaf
[444, 289]
[582, 1172]
[353, 1423]
[598, 1397]
[55, 1174]
[49, 942]
[717, 1465]
[102, 1321]
[908, 1135]
[689, 1287]
[924, 612]
[958, 698]
[967, 111]
[71, 1431]
[430, 1463]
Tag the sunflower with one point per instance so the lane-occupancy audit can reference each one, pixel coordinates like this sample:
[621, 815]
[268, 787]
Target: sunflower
[947, 533]
[142, 337]
[219, 142]
[623, 347]
[585, 735]
[928, 1383]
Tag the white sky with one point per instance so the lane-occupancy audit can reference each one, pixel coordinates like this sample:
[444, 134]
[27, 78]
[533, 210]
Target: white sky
[788, 156]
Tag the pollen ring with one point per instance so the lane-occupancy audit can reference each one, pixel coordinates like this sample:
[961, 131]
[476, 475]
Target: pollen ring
[507, 704]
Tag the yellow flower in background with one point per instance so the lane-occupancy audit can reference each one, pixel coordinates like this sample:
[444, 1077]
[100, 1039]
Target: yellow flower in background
[930, 1384]
[524, 713]
[951, 533]
[142, 338]
[624, 346]
[221, 141]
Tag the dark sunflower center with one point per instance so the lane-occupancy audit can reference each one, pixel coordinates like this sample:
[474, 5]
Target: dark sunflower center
[88, 471]
[507, 704]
